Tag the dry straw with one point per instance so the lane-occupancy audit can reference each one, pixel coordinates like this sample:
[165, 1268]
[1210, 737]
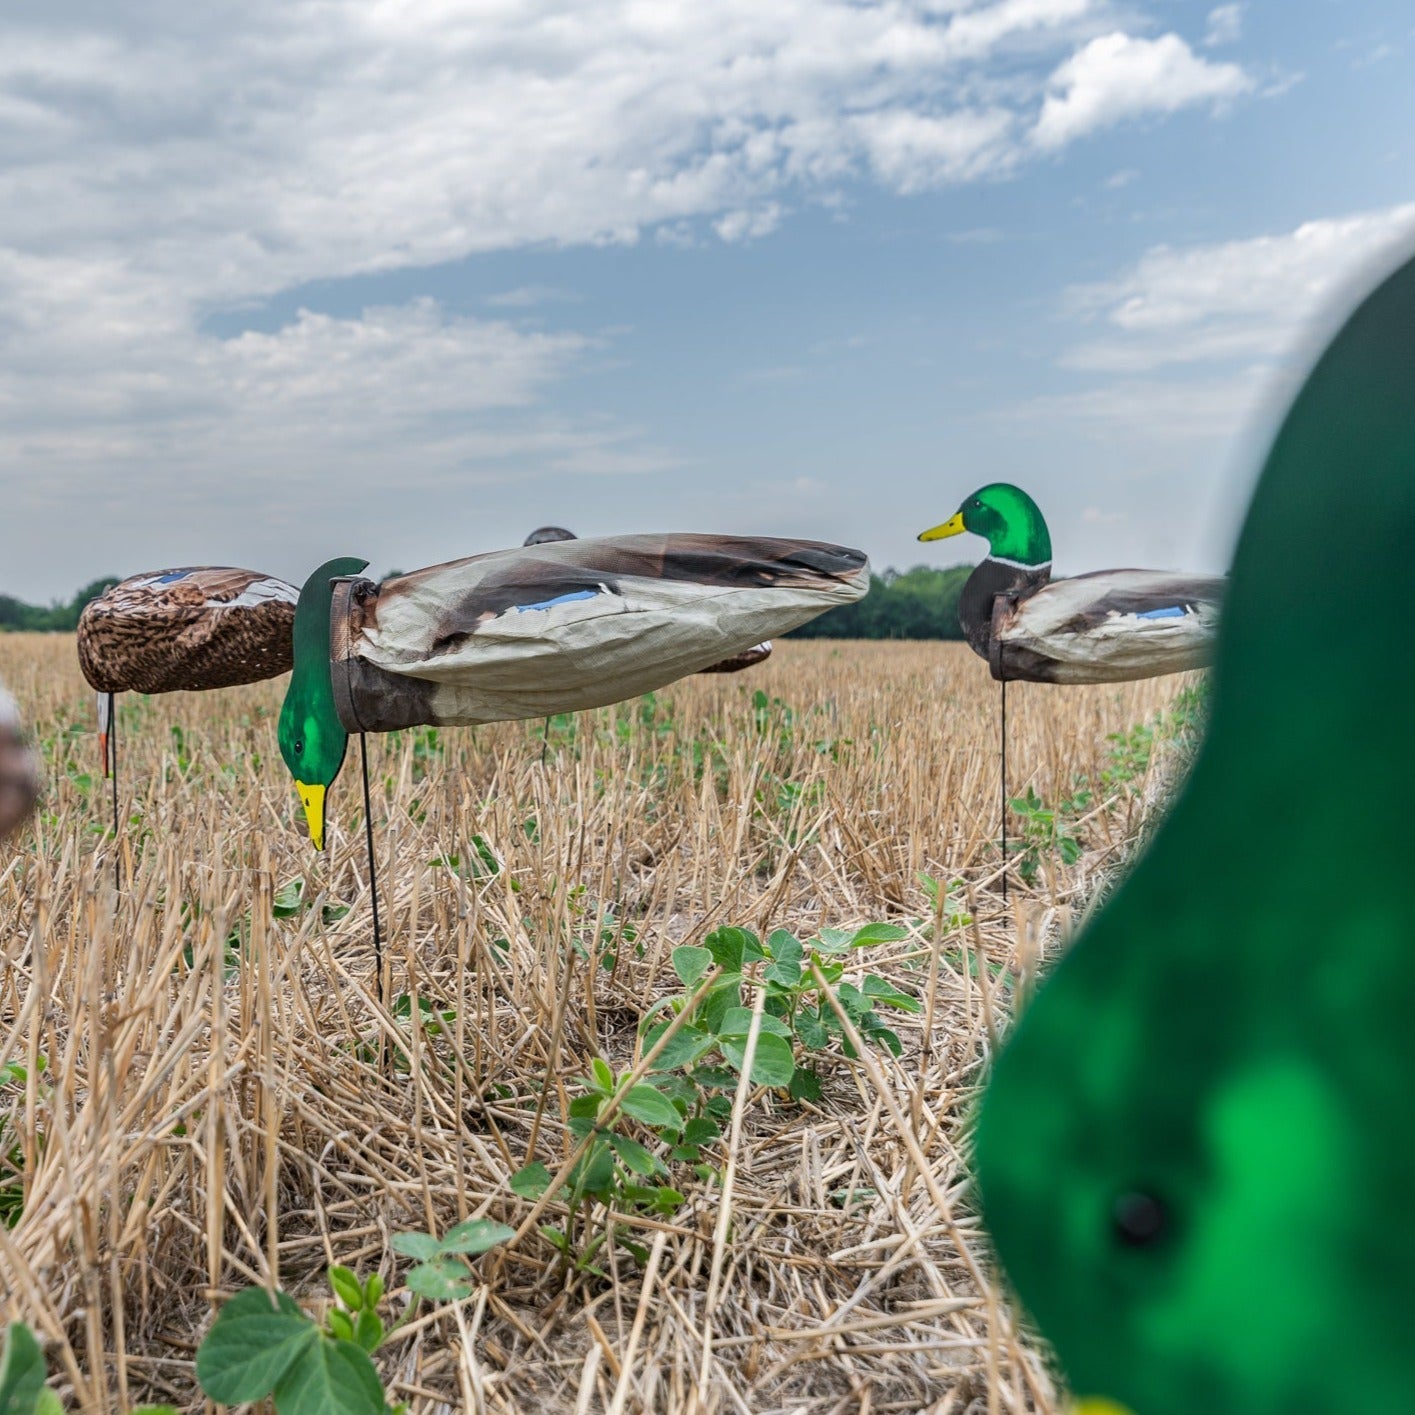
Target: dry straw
[212, 1111]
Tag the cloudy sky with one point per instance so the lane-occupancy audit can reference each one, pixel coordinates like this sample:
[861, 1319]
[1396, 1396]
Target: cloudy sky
[286, 279]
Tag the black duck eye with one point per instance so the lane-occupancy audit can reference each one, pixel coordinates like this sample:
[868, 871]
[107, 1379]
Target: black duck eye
[299, 748]
[977, 505]
[1139, 1220]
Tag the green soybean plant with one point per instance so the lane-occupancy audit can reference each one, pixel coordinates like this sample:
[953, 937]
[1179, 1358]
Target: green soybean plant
[262, 1344]
[797, 1016]
[24, 1375]
[442, 1273]
[616, 1170]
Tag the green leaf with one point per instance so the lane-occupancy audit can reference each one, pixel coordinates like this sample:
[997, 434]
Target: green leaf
[878, 933]
[58, 1409]
[812, 1031]
[738, 1021]
[691, 963]
[368, 1331]
[587, 1107]
[634, 1155]
[686, 1046]
[724, 993]
[726, 947]
[330, 1378]
[651, 1107]
[786, 973]
[340, 1324]
[784, 947]
[530, 1181]
[882, 991]
[701, 1130]
[718, 1077]
[50, 1404]
[444, 1279]
[288, 899]
[772, 1063]
[22, 1371]
[347, 1287]
[853, 1001]
[678, 1087]
[252, 1345]
[555, 1238]
[872, 1028]
[476, 1235]
[668, 1200]
[595, 1171]
[805, 1085]
[421, 1246]
[603, 1077]
[485, 862]
[373, 1291]
[834, 940]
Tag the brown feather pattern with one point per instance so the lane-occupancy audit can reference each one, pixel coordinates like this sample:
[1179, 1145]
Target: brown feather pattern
[187, 629]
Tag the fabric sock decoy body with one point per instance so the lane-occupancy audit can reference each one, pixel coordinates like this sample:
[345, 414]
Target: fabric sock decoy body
[555, 627]
[1196, 1154]
[184, 630]
[19, 768]
[1102, 627]
[758, 653]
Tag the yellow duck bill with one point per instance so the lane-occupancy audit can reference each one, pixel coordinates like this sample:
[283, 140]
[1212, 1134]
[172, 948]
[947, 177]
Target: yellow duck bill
[312, 799]
[1094, 1406]
[953, 526]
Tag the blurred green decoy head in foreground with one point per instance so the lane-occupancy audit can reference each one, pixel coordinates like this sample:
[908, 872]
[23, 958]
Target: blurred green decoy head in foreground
[1196, 1155]
[312, 739]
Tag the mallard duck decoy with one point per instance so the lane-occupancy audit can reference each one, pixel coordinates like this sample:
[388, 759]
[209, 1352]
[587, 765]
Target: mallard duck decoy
[758, 653]
[186, 630]
[1196, 1155]
[535, 631]
[183, 630]
[1103, 627]
[19, 769]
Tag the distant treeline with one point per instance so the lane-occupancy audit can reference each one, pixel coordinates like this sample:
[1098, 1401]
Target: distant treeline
[16, 614]
[921, 603]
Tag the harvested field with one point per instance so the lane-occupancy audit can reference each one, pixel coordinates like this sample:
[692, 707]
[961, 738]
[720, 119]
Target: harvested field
[223, 1100]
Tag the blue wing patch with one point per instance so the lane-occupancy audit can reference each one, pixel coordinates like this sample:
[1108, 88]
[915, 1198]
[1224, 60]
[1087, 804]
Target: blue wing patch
[1177, 612]
[171, 579]
[559, 599]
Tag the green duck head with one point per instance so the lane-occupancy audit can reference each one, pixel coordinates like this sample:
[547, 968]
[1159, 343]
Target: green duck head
[312, 739]
[1007, 518]
[1195, 1156]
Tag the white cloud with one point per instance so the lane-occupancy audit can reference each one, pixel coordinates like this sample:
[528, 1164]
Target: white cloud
[1117, 76]
[525, 297]
[1150, 412]
[911, 151]
[161, 164]
[746, 225]
[1225, 25]
[1234, 300]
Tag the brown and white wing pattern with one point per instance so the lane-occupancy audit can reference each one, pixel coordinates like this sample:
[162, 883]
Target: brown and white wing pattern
[571, 624]
[1107, 627]
[186, 630]
[748, 658]
[19, 768]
